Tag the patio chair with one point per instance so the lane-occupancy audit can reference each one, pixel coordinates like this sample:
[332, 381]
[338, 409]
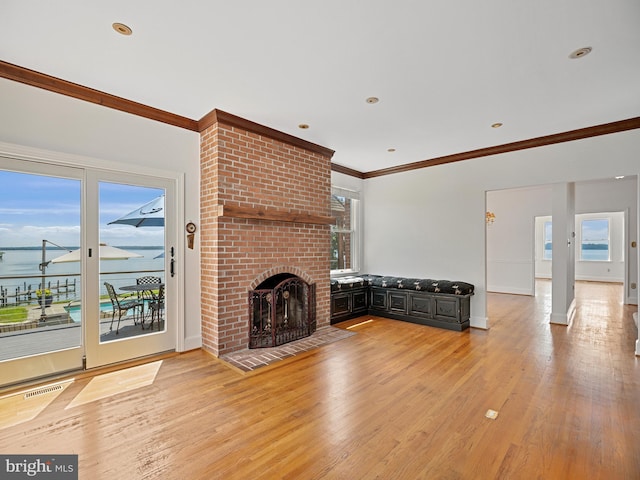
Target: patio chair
[157, 307]
[147, 280]
[121, 306]
[146, 294]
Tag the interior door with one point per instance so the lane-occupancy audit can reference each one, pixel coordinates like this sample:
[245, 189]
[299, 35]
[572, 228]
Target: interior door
[131, 288]
[40, 220]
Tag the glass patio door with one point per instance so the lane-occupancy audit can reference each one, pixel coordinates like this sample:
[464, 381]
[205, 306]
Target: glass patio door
[129, 256]
[40, 221]
[64, 235]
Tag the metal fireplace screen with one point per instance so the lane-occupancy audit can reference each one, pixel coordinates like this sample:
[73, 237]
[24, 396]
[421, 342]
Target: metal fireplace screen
[281, 314]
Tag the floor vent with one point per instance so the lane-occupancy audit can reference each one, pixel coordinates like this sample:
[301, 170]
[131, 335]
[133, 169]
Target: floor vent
[43, 391]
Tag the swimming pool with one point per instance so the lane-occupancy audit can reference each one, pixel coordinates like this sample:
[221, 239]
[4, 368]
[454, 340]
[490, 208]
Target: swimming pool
[76, 314]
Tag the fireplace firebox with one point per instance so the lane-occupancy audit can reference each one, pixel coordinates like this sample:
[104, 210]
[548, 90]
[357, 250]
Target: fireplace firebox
[281, 309]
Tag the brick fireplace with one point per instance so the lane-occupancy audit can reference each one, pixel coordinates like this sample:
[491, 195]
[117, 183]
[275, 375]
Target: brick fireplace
[265, 211]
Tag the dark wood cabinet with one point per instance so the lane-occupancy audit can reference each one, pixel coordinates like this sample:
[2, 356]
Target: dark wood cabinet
[437, 309]
[349, 304]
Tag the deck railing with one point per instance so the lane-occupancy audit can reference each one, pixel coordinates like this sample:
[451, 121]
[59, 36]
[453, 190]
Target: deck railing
[19, 290]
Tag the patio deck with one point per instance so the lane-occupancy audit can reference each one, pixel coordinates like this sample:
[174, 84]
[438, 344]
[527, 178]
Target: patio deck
[56, 333]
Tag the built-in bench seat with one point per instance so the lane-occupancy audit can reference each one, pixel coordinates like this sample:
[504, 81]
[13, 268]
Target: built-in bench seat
[438, 303]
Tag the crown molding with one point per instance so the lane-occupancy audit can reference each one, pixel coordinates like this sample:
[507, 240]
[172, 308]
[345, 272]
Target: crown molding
[218, 116]
[57, 85]
[347, 171]
[571, 135]
[63, 87]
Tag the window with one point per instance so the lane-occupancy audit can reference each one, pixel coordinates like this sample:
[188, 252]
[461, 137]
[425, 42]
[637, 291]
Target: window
[548, 241]
[344, 233]
[594, 245]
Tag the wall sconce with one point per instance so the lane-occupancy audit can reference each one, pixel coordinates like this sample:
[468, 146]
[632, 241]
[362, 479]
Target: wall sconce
[490, 217]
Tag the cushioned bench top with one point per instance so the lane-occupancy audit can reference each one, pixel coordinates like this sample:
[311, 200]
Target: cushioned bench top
[419, 284]
[345, 283]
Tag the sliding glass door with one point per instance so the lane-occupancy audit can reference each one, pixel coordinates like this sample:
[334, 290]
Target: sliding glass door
[40, 220]
[82, 282]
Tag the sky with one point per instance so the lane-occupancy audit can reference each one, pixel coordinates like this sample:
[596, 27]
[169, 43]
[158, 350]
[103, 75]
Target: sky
[37, 207]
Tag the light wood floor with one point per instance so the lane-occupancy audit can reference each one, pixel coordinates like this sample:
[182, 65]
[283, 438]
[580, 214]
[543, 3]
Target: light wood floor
[395, 401]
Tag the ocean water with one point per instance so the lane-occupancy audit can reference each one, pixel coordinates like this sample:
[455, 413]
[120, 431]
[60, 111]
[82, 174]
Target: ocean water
[19, 269]
[586, 254]
[595, 255]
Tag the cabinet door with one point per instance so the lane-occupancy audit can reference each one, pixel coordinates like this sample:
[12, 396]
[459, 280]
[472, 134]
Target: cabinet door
[398, 302]
[359, 301]
[378, 299]
[340, 304]
[421, 305]
[447, 308]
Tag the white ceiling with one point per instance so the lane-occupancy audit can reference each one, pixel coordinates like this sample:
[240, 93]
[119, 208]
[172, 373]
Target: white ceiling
[444, 70]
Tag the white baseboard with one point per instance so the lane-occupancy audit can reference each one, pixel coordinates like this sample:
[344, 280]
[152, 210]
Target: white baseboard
[564, 318]
[191, 343]
[587, 278]
[559, 319]
[479, 322]
[510, 290]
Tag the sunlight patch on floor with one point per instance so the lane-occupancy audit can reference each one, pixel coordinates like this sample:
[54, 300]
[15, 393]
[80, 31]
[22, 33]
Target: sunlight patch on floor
[109, 384]
[26, 405]
[358, 324]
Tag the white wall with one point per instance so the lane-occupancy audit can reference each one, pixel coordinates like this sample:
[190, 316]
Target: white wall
[101, 137]
[510, 258]
[430, 222]
[511, 240]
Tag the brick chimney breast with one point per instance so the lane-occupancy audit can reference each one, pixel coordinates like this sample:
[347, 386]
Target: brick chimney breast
[265, 210]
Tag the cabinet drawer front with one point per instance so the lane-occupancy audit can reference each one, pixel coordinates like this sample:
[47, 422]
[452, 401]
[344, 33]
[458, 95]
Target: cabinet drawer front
[398, 302]
[421, 305]
[340, 304]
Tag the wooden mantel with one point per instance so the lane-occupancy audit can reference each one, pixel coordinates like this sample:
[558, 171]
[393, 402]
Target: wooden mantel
[272, 214]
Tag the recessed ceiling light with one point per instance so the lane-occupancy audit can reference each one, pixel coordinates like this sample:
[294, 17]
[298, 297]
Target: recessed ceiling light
[373, 100]
[122, 29]
[303, 126]
[496, 125]
[391, 150]
[581, 52]
[619, 177]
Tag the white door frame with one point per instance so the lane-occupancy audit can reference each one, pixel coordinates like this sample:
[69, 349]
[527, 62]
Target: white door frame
[34, 160]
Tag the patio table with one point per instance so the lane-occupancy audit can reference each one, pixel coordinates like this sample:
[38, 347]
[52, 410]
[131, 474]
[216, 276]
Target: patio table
[145, 290]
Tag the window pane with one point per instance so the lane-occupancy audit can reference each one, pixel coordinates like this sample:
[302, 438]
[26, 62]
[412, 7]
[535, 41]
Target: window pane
[342, 233]
[40, 222]
[341, 210]
[340, 251]
[131, 218]
[547, 241]
[595, 240]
